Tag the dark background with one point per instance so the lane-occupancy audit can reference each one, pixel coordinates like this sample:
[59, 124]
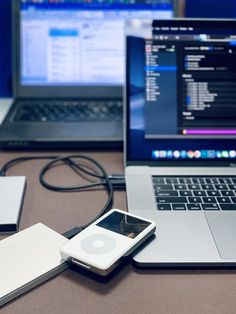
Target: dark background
[210, 8]
[5, 48]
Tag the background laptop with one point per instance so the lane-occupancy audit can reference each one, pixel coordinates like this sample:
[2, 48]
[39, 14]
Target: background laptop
[181, 141]
[69, 71]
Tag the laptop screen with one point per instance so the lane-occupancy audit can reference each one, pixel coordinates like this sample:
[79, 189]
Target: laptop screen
[79, 42]
[181, 92]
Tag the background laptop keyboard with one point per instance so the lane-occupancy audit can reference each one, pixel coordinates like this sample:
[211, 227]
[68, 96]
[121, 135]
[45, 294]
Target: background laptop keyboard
[68, 111]
[195, 193]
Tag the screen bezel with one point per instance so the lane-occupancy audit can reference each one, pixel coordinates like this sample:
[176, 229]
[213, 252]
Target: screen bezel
[165, 163]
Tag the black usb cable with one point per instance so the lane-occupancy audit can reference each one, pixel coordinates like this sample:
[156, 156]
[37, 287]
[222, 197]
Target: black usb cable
[93, 170]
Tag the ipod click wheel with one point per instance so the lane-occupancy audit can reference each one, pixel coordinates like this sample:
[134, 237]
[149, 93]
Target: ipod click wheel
[101, 246]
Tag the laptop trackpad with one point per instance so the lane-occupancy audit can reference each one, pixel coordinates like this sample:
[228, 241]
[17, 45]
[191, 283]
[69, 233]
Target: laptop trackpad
[223, 228]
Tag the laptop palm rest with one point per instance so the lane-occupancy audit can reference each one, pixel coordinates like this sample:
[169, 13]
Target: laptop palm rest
[223, 229]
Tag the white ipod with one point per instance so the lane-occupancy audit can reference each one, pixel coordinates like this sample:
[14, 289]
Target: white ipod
[100, 247]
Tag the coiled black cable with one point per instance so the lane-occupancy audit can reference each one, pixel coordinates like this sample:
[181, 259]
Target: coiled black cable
[71, 161]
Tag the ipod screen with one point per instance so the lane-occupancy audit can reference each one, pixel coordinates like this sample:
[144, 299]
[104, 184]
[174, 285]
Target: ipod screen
[124, 224]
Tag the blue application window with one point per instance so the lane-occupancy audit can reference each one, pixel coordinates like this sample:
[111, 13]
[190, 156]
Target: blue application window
[79, 42]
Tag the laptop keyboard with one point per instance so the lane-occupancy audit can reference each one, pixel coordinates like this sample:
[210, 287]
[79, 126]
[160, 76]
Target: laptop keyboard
[69, 111]
[195, 193]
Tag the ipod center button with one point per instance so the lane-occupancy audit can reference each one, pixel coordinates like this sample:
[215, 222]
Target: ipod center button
[98, 244]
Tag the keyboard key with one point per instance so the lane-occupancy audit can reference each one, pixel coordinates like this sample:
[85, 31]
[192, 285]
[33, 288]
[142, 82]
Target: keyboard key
[227, 193]
[163, 187]
[193, 206]
[194, 187]
[194, 199]
[223, 200]
[207, 187]
[185, 193]
[178, 207]
[228, 206]
[233, 199]
[169, 200]
[232, 186]
[210, 207]
[213, 193]
[180, 187]
[221, 187]
[163, 207]
[166, 193]
[209, 199]
[199, 193]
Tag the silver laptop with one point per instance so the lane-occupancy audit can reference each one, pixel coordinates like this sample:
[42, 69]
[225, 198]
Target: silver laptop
[181, 141]
[69, 72]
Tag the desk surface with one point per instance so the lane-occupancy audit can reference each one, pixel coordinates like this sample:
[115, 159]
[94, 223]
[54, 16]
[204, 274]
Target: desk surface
[130, 290]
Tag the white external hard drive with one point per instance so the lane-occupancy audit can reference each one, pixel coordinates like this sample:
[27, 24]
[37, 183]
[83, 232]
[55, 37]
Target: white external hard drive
[29, 258]
[11, 199]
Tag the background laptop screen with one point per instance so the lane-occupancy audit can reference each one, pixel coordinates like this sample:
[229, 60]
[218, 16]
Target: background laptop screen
[181, 92]
[79, 42]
